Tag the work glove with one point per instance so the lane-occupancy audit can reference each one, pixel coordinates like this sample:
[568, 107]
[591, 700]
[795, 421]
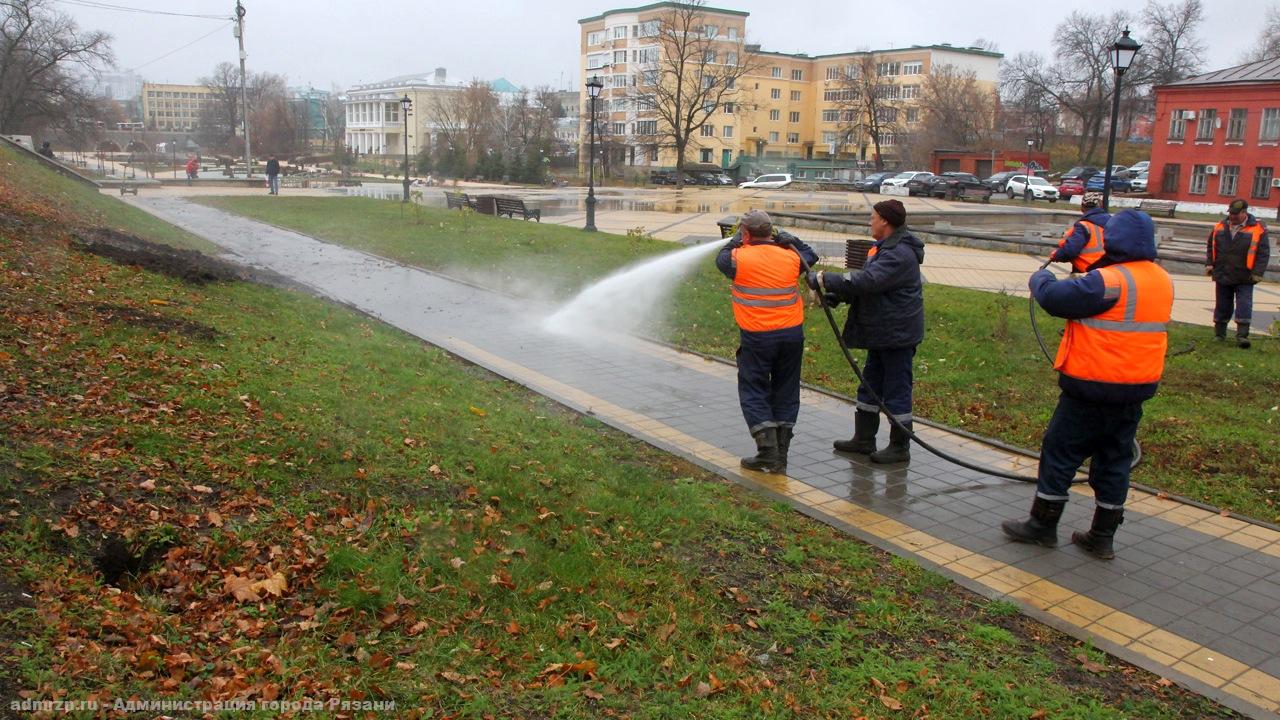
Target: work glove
[1208, 269]
[814, 279]
[1256, 279]
[783, 239]
[1053, 257]
[736, 240]
[830, 300]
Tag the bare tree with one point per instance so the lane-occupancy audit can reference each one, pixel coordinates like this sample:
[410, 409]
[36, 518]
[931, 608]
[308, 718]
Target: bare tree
[1171, 49]
[1268, 44]
[335, 119]
[693, 75]
[38, 49]
[464, 119]
[870, 110]
[275, 125]
[221, 117]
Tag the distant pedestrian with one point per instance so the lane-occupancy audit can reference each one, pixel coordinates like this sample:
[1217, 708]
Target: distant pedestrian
[193, 168]
[273, 175]
[1236, 257]
[46, 149]
[1081, 245]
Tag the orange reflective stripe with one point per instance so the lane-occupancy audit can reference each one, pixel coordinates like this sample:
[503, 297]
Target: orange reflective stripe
[1252, 257]
[871, 252]
[1126, 344]
[1093, 249]
[1213, 241]
[764, 292]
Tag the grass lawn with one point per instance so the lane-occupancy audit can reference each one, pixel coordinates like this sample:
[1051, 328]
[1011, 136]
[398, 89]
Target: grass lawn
[313, 506]
[1210, 434]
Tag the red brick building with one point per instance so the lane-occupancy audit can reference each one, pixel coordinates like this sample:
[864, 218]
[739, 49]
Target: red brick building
[986, 164]
[1217, 137]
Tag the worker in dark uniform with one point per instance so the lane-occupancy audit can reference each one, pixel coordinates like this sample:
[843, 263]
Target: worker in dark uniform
[765, 266]
[1236, 257]
[886, 317]
[1109, 362]
[1082, 244]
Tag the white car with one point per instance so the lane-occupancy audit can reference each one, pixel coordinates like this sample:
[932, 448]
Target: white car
[1138, 168]
[1139, 184]
[902, 178]
[773, 182]
[1040, 188]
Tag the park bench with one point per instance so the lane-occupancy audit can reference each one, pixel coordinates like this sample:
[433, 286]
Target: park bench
[1151, 206]
[349, 183]
[457, 200]
[970, 193]
[128, 188]
[510, 206]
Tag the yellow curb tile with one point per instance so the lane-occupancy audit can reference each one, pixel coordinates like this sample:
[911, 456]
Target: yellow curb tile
[1168, 643]
[1202, 675]
[1154, 654]
[916, 541]
[816, 497]
[1272, 549]
[1216, 663]
[1256, 681]
[933, 557]
[1211, 528]
[888, 529]
[949, 552]
[846, 511]
[1031, 598]
[964, 570]
[1011, 575]
[1108, 634]
[980, 563]
[1126, 624]
[1247, 540]
[1085, 607]
[1077, 620]
[1262, 532]
[1042, 594]
[1262, 701]
[999, 585]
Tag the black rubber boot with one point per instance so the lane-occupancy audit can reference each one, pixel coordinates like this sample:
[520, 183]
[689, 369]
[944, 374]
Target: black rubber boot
[1219, 331]
[1242, 335]
[766, 458]
[899, 448]
[866, 423]
[1098, 541]
[1041, 528]
[785, 433]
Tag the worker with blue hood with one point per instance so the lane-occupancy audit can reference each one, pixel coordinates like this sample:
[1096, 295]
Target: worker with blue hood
[1109, 363]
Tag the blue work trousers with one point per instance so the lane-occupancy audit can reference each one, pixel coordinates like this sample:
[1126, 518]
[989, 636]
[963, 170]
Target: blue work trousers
[769, 377]
[888, 373]
[1101, 433]
[1241, 296]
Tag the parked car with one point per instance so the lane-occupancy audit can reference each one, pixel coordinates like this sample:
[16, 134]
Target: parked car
[1139, 184]
[773, 182]
[1040, 188]
[1120, 184]
[871, 183]
[1084, 172]
[1000, 181]
[714, 179]
[1119, 170]
[949, 184]
[661, 177]
[1138, 168]
[1069, 187]
[902, 178]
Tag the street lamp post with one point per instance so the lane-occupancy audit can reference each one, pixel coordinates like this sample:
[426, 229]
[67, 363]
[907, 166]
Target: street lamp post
[174, 150]
[594, 85]
[1026, 190]
[405, 104]
[1122, 54]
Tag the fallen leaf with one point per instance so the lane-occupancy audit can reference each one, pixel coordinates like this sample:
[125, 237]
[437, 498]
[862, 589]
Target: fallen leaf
[240, 587]
[205, 489]
[477, 411]
[592, 694]
[148, 484]
[214, 518]
[615, 643]
[274, 585]
[457, 563]
[157, 301]
[1040, 714]
[891, 703]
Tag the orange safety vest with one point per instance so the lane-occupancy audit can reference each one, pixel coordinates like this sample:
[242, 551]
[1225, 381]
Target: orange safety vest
[1092, 251]
[765, 296]
[1254, 230]
[1126, 344]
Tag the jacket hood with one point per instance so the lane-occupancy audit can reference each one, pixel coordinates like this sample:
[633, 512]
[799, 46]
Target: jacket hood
[1130, 235]
[1097, 216]
[901, 235]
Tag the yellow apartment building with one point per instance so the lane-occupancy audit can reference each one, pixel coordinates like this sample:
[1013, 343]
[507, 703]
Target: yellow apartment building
[786, 112]
[174, 107]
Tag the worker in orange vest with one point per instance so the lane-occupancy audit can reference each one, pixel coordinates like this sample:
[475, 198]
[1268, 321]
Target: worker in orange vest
[1236, 257]
[1081, 245]
[765, 266]
[1109, 362]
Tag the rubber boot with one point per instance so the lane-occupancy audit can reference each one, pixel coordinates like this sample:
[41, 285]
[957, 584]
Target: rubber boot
[1219, 331]
[899, 448]
[1098, 541]
[766, 458]
[1041, 528]
[1242, 335]
[785, 433]
[866, 423]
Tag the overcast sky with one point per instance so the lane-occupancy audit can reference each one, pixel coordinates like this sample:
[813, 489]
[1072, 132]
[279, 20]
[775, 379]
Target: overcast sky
[535, 42]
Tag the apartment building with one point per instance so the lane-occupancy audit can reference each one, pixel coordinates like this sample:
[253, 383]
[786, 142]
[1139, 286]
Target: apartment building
[1217, 136]
[174, 107]
[788, 111]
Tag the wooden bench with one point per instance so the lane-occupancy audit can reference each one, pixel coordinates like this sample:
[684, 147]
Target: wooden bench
[510, 206]
[973, 193]
[1151, 207]
[349, 183]
[127, 188]
[457, 200]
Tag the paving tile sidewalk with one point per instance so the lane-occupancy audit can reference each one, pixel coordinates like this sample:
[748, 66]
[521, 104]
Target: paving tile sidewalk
[1193, 596]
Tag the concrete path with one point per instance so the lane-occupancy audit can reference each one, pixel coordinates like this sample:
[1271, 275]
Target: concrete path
[1193, 596]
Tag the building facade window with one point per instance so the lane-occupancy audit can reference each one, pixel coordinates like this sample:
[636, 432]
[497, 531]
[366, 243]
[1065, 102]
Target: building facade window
[830, 116]
[595, 38]
[733, 33]
[728, 108]
[647, 127]
[838, 95]
[1270, 128]
[775, 94]
[597, 60]
[795, 96]
[1262, 183]
[775, 114]
[793, 138]
[1235, 126]
[913, 115]
[618, 128]
[887, 115]
[833, 72]
[706, 155]
[775, 72]
[912, 68]
[1169, 183]
[828, 137]
[1206, 125]
[888, 68]
[1199, 179]
[773, 137]
[731, 58]
[727, 131]
[910, 91]
[1177, 126]
[620, 32]
[793, 117]
[1229, 180]
[619, 57]
[797, 75]
[708, 130]
[710, 31]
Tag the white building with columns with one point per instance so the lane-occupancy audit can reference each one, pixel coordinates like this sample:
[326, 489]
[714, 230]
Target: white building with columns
[375, 125]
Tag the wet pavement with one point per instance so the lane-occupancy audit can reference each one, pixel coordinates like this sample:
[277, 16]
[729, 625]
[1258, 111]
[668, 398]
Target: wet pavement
[1193, 596]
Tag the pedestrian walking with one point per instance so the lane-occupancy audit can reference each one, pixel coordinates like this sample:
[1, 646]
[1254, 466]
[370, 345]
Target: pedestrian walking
[1109, 362]
[1081, 245]
[193, 168]
[1236, 257]
[46, 149]
[765, 267]
[886, 318]
[273, 175]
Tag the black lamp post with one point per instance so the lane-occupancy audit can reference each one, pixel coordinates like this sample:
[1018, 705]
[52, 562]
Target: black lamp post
[1122, 54]
[594, 85]
[175, 158]
[405, 104]
[1026, 189]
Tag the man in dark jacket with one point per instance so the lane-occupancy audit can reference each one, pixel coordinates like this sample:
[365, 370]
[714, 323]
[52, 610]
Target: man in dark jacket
[1082, 244]
[886, 317]
[1109, 362]
[273, 175]
[1236, 257]
[765, 265]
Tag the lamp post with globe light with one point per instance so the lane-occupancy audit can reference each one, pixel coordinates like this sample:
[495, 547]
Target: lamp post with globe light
[594, 85]
[1122, 54]
[405, 104]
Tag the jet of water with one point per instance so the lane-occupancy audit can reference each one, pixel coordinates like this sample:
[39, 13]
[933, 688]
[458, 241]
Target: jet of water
[628, 298]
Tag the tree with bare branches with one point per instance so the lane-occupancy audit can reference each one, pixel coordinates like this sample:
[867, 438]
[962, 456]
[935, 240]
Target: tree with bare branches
[1268, 42]
[1171, 48]
[38, 49]
[956, 112]
[693, 75]
[870, 110]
